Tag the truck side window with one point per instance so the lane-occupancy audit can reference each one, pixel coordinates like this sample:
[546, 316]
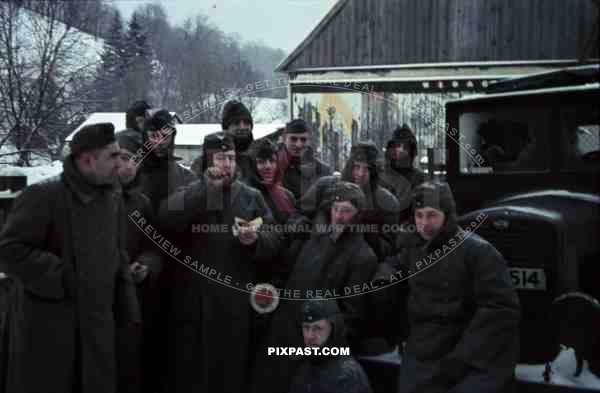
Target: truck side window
[581, 128]
[504, 141]
[587, 140]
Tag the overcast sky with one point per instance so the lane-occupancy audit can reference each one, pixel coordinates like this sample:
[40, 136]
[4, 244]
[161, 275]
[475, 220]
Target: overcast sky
[278, 23]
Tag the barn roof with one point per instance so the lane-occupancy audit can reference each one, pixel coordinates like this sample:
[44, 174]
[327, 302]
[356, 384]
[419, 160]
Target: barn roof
[337, 7]
[390, 33]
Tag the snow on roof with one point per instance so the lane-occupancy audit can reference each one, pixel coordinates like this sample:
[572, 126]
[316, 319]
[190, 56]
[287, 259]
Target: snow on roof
[187, 134]
[8, 194]
[116, 118]
[193, 134]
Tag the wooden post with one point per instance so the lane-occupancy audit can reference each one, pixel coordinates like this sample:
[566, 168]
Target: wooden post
[430, 162]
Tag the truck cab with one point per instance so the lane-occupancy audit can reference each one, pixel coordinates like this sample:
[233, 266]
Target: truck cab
[524, 136]
[526, 156]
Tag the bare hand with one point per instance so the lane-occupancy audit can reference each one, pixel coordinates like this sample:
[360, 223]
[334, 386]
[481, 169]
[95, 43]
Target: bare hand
[139, 272]
[248, 236]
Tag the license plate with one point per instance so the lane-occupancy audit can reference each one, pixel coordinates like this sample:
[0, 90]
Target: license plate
[528, 279]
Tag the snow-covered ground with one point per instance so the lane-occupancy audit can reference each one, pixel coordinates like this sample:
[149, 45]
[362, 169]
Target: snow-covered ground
[5, 159]
[563, 370]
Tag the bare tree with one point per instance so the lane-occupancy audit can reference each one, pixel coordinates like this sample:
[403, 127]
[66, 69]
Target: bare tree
[45, 65]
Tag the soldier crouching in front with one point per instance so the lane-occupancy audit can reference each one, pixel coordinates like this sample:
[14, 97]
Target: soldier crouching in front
[211, 321]
[323, 326]
[462, 309]
[331, 260]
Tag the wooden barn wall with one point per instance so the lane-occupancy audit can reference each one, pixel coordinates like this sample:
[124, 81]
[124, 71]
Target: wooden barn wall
[379, 32]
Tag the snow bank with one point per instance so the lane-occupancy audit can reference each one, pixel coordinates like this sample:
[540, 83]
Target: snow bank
[34, 174]
[6, 158]
[563, 370]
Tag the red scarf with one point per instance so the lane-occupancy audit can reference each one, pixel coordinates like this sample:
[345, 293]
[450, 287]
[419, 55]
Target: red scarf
[280, 197]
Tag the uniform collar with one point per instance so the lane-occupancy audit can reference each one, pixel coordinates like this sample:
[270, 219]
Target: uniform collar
[449, 230]
[82, 188]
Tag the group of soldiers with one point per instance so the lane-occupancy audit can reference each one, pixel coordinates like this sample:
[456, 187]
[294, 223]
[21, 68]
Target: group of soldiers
[113, 259]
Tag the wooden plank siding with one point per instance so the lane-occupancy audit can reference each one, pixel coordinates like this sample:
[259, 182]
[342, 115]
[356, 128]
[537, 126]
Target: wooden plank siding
[388, 32]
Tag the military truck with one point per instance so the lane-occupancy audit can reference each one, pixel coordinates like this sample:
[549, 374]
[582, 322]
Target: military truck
[523, 160]
[524, 165]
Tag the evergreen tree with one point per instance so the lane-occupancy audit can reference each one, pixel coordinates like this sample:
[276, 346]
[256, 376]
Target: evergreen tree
[110, 95]
[138, 57]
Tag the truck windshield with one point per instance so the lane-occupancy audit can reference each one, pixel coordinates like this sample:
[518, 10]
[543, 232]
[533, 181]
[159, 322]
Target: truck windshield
[505, 139]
